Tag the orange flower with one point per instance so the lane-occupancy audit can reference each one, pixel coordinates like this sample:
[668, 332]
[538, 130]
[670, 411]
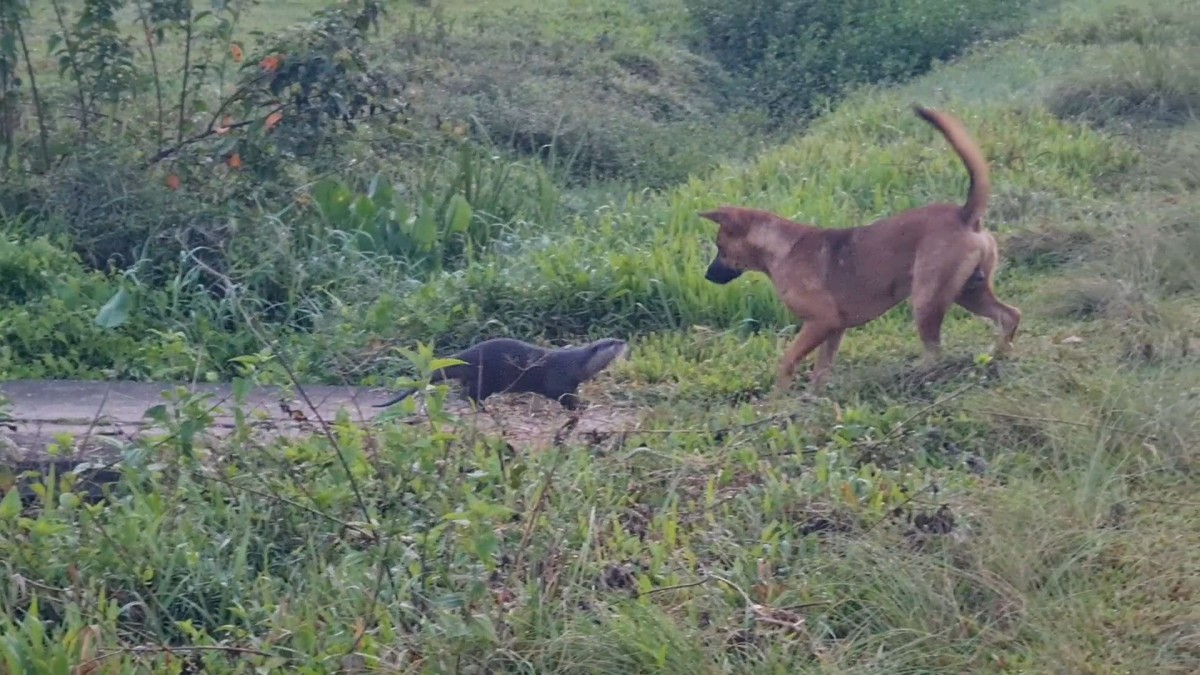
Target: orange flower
[270, 64]
[235, 50]
[273, 119]
[173, 182]
[234, 161]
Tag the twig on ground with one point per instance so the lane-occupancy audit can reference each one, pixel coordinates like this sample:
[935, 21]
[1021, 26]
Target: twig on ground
[664, 589]
[87, 666]
[1069, 423]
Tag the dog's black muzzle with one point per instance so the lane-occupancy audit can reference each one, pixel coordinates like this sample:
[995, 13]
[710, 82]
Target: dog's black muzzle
[720, 273]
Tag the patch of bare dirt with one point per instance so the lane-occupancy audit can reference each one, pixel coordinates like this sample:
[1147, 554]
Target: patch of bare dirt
[531, 422]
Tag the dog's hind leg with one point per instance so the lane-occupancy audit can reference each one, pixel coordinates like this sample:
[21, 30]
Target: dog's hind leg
[929, 310]
[980, 300]
[935, 289]
[929, 317]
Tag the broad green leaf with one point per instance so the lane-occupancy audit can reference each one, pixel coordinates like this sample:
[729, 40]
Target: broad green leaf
[425, 228]
[157, 413]
[438, 364]
[241, 388]
[399, 218]
[460, 215]
[381, 191]
[10, 506]
[115, 312]
[364, 211]
[486, 544]
[333, 199]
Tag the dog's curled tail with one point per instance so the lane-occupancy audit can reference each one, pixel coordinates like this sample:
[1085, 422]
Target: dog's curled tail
[954, 132]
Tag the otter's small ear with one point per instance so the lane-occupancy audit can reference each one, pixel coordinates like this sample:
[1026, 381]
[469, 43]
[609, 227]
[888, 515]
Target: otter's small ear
[717, 216]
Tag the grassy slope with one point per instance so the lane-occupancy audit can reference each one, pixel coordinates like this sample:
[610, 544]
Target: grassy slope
[600, 81]
[1099, 247]
[1075, 551]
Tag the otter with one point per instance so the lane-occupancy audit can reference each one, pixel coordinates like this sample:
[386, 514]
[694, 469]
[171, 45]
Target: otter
[504, 365]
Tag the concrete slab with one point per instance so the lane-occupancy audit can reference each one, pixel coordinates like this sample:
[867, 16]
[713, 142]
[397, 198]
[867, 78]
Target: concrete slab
[125, 403]
[40, 411]
[101, 415]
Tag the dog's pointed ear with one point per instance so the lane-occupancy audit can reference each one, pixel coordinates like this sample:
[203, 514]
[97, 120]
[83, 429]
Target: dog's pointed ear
[726, 218]
[718, 216]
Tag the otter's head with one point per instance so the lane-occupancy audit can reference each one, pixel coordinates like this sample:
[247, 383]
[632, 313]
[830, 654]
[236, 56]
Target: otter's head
[601, 353]
[736, 252]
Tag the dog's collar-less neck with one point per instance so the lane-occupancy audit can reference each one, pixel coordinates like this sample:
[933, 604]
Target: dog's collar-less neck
[777, 246]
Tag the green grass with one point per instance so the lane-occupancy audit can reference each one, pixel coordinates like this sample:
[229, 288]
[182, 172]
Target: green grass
[610, 90]
[725, 533]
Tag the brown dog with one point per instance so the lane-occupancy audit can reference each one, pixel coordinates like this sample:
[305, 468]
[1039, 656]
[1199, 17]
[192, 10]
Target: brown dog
[836, 279]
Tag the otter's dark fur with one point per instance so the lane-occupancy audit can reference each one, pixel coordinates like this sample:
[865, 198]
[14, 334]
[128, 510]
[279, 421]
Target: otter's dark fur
[505, 365]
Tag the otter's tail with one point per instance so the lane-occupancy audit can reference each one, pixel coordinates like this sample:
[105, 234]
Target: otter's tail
[437, 376]
[399, 397]
[954, 132]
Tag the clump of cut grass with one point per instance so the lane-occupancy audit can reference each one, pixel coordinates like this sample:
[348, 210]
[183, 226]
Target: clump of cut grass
[1049, 245]
[1011, 206]
[1098, 297]
[1154, 248]
[1145, 328]
[1171, 162]
[1107, 22]
[1153, 85]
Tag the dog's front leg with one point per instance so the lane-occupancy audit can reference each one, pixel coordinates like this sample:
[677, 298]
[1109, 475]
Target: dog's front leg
[825, 357]
[811, 336]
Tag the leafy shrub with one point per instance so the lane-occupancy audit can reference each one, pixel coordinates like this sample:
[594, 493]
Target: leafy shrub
[216, 129]
[1158, 85]
[455, 207]
[48, 307]
[795, 53]
[28, 269]
[100, 201]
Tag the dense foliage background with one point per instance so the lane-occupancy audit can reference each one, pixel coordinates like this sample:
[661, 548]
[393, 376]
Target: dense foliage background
[268, 193]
